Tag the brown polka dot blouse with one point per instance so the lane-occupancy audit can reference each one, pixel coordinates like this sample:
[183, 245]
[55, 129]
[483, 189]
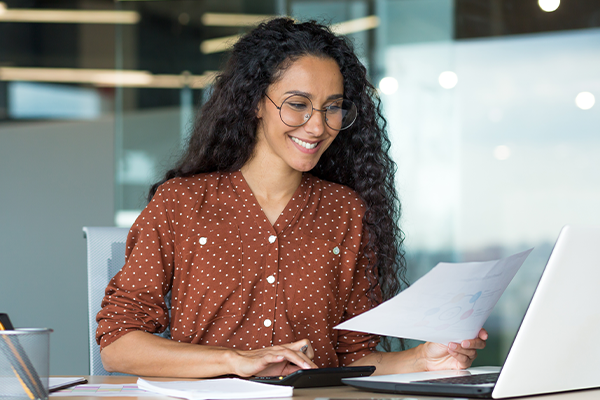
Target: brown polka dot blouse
[238, 281]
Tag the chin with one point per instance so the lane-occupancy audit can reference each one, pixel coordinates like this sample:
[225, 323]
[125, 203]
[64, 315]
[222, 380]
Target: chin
[304, 167]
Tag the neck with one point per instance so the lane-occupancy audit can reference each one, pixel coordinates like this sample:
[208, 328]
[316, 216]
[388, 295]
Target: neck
[271, 184]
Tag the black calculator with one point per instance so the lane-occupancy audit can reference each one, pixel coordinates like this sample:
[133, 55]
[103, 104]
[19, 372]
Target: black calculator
[318, 377]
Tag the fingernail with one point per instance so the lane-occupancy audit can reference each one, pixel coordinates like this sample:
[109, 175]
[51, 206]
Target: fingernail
[452, 346]
[306, 365]
[466, 344]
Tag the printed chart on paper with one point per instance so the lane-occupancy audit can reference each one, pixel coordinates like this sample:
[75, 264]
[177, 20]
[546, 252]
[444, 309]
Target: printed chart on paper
[449, 304]
[105, 390]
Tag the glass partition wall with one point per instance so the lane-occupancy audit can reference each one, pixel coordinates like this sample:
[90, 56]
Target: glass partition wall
[491, 110]
[490, 106]
[188, 41]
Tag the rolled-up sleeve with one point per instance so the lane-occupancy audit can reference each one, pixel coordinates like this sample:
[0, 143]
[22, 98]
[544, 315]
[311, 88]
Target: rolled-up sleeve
[134, 299]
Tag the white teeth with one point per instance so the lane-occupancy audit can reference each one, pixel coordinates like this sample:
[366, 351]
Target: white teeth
[304, 144]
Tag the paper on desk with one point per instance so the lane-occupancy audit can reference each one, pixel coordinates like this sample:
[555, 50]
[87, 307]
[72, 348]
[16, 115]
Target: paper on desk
[105, 390]
[225, 388]
[449, 304]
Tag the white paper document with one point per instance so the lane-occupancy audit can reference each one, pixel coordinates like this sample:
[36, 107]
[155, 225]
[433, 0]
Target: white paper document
[449, 304]
[225, 388]
[106, 390]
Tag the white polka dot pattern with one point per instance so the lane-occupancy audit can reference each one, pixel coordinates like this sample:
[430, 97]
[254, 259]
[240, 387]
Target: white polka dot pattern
[238, 281]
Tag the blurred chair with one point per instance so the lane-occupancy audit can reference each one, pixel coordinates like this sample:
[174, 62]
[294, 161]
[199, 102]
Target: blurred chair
[105, 257]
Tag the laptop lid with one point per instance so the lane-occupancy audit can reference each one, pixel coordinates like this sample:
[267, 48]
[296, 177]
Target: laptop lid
[554, 349]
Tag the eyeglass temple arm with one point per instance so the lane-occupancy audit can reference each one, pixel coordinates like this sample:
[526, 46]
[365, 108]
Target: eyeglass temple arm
[267, 96]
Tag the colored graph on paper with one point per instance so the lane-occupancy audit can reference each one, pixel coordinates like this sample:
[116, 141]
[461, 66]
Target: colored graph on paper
[448, 304]
[460, 307]
[105, 390]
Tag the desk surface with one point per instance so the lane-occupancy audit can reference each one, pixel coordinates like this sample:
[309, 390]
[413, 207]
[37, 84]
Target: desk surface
[341, 392]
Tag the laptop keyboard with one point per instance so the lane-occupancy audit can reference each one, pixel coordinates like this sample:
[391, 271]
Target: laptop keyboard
[478, 379]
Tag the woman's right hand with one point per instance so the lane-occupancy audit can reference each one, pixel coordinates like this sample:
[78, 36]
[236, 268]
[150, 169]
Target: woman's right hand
[273, 361]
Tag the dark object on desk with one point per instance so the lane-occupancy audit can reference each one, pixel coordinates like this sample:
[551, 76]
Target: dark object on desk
[5, 323]
[319, 377]
[57, 384]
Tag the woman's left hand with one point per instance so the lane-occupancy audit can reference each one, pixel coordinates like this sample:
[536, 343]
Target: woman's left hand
[453, 356]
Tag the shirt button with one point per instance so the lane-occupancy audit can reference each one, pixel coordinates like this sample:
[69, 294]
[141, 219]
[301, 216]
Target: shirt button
[272, 239]
[267, 323]
[336, 250]
[271, 279]
[203, 240]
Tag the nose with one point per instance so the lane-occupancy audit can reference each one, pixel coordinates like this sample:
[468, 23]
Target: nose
[316, 122]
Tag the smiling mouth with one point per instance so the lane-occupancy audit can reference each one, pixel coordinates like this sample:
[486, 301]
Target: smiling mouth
[304, 144]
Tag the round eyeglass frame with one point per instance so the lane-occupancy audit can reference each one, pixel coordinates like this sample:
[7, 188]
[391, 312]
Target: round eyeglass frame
[311, 112]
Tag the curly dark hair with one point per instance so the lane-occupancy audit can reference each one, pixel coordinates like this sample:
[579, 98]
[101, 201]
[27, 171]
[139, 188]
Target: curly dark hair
[224, 134]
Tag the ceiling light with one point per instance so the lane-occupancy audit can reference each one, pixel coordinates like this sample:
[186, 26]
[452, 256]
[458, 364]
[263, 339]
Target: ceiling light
[106, 77]
[549, 5]
[388, 85]
[226, 43]
[219, 44]
[448, 79]
[502, 152]
[217, 19]
[585, 100]
[356, 25]
[68, 16]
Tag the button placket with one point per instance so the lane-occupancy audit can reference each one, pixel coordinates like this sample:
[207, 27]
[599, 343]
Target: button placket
[270, 291]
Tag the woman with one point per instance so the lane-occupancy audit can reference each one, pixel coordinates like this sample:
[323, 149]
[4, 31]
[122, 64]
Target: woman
[277, 224]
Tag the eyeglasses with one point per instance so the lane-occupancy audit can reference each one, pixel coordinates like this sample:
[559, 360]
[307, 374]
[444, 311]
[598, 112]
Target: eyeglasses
[297, 109]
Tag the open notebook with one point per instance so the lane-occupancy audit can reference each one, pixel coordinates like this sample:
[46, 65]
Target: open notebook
[556, 347]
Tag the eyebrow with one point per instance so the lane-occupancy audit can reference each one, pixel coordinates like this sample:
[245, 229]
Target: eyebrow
[331, 97]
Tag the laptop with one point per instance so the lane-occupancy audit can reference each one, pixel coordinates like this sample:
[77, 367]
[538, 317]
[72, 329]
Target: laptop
[556, 348]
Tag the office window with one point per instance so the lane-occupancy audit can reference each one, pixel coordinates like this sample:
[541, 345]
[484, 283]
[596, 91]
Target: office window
[492, 110]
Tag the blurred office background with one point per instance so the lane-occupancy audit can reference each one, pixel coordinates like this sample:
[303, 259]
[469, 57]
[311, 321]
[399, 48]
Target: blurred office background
[491, 106]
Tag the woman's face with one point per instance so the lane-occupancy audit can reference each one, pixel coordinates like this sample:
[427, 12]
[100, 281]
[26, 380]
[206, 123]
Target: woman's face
[299, 148]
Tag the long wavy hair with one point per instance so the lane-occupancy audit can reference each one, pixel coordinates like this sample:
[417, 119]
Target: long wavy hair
[224, 135]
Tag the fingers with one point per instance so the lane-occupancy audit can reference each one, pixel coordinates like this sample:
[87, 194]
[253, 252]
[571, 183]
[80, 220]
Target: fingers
[302, 346]
[299, 358]
[454, 355]
[299, 353]
[307, 349]
[464, 359]
[483, 335]
[461, 353]
[477, 344]
[465, 352]
[276, 360]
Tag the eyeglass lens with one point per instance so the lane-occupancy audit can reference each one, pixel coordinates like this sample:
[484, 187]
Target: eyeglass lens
[297, 110]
